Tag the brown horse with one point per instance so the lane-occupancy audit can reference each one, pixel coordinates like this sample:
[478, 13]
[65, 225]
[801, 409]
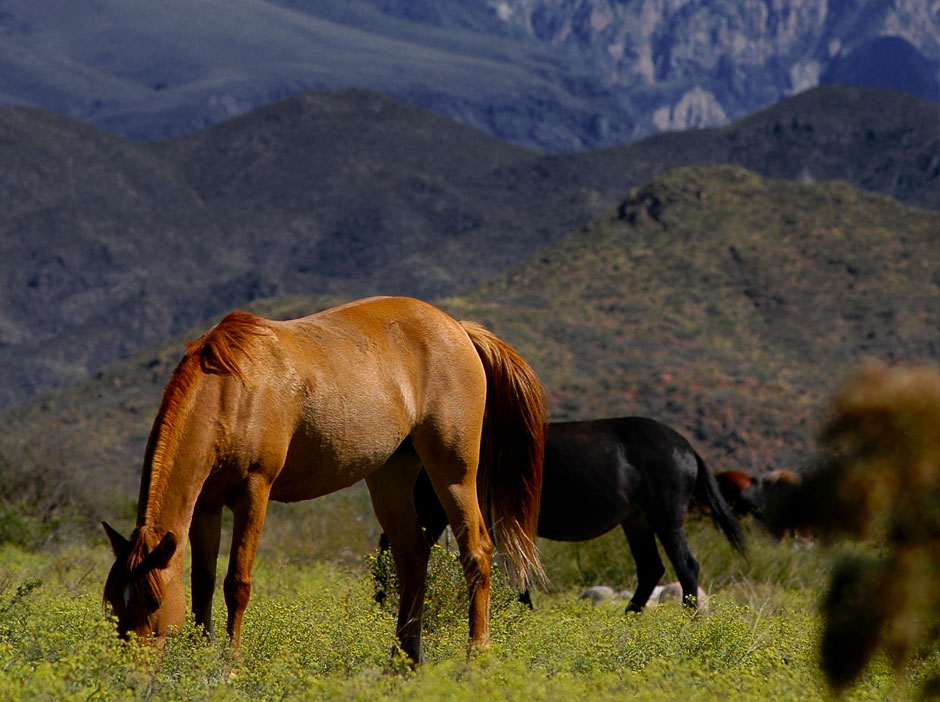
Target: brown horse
[761, 496]
[261, 410]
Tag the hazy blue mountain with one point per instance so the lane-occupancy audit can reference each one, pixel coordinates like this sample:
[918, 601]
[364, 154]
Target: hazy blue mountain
[886, 62]
[556, 75]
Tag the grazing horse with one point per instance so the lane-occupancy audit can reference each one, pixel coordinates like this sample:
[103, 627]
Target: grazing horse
[631, 471]
[762, 497]
[262, 410]
[740, 490]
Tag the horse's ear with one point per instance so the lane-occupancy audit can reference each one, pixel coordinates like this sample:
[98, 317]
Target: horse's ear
[119, 544]
[161, 554]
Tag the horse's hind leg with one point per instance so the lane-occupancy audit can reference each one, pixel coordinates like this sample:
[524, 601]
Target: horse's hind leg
[476, 553]
[649, 566]
[453, 475]
[204, 534]
[391, 488]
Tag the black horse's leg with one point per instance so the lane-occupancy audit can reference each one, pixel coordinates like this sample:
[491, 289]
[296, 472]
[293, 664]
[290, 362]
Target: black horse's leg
[677, 550]
[649, 566]
[431, 514]
[204, 534]
[431, 517]
[391, 494]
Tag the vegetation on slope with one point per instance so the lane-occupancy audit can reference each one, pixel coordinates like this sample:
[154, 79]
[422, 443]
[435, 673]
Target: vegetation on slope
[723, 304]
[110, 246]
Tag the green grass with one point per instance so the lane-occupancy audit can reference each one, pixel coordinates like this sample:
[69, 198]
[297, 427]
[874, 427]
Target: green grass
[313, 631]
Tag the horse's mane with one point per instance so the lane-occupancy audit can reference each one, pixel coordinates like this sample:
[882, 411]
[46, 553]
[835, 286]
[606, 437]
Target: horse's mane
[219, 351]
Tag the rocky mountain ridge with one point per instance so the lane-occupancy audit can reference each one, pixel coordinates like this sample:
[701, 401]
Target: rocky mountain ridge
[553, 75]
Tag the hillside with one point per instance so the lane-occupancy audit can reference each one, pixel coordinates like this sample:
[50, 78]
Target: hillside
[110, 245]
[725, 304]
[720, 302]
[97, 239]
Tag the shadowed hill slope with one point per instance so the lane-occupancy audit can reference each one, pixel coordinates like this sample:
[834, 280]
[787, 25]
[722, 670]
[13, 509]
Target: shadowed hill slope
[109, 245]
[720, 302]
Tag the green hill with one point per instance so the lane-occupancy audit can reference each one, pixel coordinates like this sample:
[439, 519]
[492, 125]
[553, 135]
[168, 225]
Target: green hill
[725, 304]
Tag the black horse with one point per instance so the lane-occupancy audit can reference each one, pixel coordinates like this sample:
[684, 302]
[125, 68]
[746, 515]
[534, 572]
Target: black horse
[631, 471]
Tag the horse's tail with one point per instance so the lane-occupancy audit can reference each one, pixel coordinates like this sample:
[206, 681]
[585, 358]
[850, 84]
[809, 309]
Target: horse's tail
[706, 489]
[513, 446]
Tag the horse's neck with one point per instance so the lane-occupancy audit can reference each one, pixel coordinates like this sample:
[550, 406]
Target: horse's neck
[180, 450]
[171, 482]
[170, 501]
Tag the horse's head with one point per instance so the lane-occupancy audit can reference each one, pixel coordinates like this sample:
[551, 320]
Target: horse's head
[145, 597]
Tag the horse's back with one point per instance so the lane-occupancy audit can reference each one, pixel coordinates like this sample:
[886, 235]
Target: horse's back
[369, 374]
[640, 440]
[389, 331]
[588, 483]
[599, 472]
[398, 354]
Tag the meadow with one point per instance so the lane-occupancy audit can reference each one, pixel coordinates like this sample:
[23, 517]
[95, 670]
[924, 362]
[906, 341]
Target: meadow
[313, 629]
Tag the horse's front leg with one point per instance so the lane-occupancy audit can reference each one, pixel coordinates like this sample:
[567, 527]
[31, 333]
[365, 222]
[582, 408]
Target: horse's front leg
[649, 566]
[248, 512]
[204, 534]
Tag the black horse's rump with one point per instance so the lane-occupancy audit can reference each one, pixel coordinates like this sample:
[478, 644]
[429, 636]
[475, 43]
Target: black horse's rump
[631, 471]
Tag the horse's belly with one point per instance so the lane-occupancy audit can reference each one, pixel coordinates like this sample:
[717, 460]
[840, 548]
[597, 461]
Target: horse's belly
[296, 486]
[316, 466]
[580, 521]
[578, 506]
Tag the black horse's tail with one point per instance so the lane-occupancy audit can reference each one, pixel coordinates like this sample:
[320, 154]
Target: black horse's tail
[706, 490]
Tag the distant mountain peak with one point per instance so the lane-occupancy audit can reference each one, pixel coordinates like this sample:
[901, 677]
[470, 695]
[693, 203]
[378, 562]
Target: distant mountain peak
[553, 75]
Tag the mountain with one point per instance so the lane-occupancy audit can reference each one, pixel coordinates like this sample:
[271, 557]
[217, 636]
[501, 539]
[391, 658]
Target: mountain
[141, 70]
[720, 302]
[886, 62]
[109, 245]
[878, 140]
[553, 75]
